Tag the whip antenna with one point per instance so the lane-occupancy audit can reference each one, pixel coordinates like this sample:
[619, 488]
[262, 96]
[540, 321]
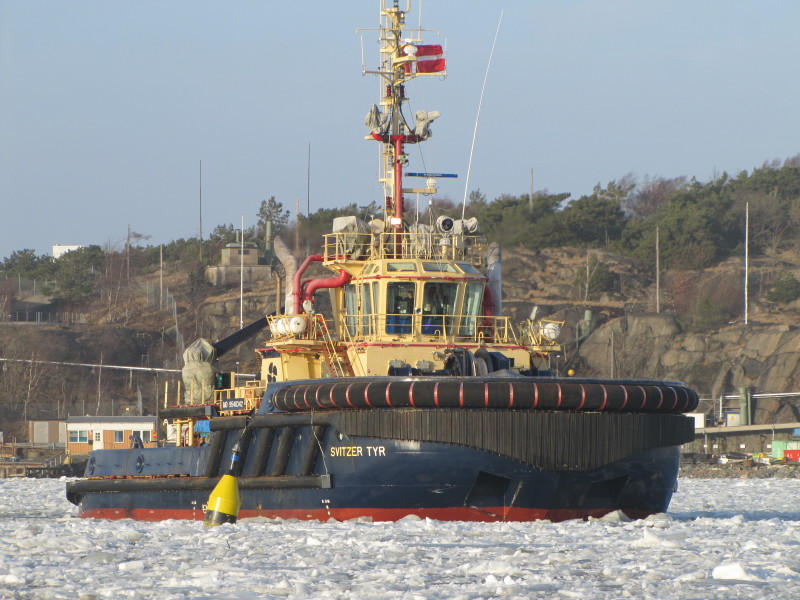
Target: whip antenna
[478, 116]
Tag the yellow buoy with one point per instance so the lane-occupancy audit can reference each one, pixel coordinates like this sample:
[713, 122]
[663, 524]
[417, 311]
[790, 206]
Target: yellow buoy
[224, 502]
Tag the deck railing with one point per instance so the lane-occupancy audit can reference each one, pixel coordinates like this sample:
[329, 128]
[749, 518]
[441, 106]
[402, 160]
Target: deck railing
[444, 328]
[427, 246]
[175, 394]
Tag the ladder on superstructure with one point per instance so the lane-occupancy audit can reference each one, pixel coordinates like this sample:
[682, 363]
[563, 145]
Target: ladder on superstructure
[339, 366]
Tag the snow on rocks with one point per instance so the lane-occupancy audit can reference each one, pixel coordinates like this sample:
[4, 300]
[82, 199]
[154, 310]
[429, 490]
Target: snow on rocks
[721, 539]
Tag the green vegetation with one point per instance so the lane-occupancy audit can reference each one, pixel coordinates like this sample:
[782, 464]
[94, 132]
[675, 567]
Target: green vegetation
[272, 210]
[596, 279]
[698, 225]
[784, 290]
[714, 304]
[75, 273]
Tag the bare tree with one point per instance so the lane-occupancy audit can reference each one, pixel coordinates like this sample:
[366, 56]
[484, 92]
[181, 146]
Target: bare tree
[792, 161]
[99, 384]
[650, 195]
[768, 223]
[33, 379]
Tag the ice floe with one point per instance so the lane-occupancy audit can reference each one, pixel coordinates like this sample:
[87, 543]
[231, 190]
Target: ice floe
[721, 539]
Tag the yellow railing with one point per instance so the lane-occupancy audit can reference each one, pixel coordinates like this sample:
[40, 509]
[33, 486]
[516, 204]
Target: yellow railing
[251, 392]
[377, 326]
[459, 328]
[427, 246]
[428, 327]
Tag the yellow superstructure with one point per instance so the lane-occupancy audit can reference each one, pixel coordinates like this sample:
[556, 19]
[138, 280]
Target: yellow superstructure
[411, 298]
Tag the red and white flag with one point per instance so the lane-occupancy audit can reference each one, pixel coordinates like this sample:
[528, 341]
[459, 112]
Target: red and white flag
[429, 60]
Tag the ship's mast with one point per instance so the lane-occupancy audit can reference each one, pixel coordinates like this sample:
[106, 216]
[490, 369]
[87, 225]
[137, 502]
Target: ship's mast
[393, 61]
[398, 65]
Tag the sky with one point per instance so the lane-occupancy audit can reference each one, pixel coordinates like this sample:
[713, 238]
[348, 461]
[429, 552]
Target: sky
[721, 539]
[108, 109]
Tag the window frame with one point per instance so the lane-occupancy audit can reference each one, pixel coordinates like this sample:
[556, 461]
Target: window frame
[79, 436]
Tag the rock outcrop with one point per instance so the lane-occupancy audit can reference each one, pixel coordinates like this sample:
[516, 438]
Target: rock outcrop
[766, 357]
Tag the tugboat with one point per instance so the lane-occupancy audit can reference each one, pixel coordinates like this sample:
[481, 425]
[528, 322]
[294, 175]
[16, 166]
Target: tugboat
[414, 397]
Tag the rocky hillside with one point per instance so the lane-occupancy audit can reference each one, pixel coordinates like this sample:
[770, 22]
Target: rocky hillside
[630, 339]
[698, 336]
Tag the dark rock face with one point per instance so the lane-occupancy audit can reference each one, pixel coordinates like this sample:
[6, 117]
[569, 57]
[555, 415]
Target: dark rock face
[766, 357]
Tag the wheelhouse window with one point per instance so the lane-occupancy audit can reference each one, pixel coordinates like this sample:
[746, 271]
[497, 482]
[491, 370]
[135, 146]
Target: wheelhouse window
[366, 310]
[401, 267]
[118, 437]
[438, 307]
[400, 303]
[376, 299]
[472, 306]
[350, 308]
[468, 268]
[439, 267]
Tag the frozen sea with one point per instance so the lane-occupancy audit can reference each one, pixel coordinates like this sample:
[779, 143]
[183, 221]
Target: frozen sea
[722, 538]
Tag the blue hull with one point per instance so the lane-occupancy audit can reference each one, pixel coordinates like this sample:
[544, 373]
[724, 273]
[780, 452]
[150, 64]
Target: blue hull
[320, 472]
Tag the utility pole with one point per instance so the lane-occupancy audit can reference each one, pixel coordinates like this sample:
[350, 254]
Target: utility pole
[297, 225]
[746, 255]
[241, 278]
[658, 275]
[160, 276]
[201, 211]
[530, 194]
[611, 358]
[99, 384]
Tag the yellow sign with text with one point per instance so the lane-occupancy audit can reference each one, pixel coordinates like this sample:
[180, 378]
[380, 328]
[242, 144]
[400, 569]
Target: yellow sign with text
[357, 451]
